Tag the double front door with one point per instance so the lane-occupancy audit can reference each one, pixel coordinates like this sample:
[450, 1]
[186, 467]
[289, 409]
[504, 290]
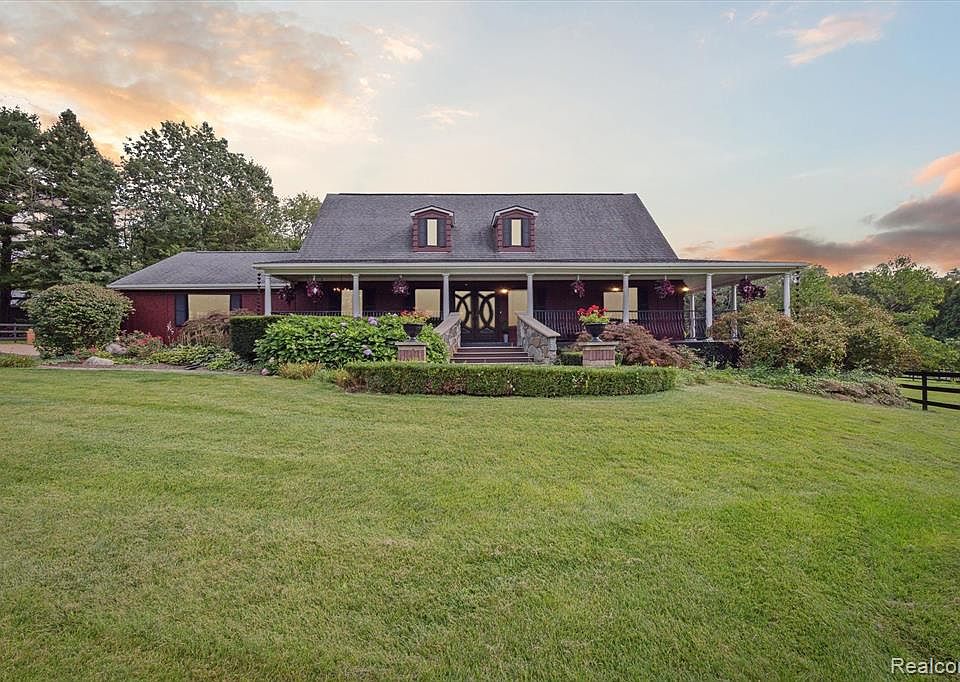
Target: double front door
[478, 315]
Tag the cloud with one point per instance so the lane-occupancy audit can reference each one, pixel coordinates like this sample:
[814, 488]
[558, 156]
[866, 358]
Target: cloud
[759, 16]
[946, 167]
[730, 15]
[405, 48]
[927, 229]
[446, 116]
[126, 67]
[833, 33]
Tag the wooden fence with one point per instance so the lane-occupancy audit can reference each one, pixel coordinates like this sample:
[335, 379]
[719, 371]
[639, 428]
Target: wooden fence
[926, 389]
[13, 332]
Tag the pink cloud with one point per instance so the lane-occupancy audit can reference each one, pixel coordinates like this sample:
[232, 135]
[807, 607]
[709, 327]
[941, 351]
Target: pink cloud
[833, 33]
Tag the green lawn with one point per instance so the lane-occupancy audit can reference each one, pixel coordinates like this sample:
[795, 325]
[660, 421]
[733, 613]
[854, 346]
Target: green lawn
[227, 527]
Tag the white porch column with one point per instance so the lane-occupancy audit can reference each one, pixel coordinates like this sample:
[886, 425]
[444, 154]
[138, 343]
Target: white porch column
[445, 296]
[356, 294]
[267, 296]
[530, 294]
[733, 300]
[708, 302]
[693, 316]
[626, 297]
[787, 280]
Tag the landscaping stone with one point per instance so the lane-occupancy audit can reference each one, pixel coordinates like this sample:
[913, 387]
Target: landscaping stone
[94, 361]
[116, 349]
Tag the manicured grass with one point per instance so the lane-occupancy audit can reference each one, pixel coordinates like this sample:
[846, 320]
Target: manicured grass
[225, 527]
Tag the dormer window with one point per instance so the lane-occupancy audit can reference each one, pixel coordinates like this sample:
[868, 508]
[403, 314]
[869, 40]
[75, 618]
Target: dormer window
[431, 228]
[515, 228]
[431, 232]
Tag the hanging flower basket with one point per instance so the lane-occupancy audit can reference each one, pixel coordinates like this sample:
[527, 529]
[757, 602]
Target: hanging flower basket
[400, 286]
[289, 293]
[750, 291]
[665, 288]
[578, 289]
[314, 289]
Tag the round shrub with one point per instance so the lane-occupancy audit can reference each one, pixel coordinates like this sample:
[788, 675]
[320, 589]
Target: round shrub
[335, 341]
[66, 317]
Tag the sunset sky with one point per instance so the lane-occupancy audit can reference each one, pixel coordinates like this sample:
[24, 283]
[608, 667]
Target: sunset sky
[826, 132]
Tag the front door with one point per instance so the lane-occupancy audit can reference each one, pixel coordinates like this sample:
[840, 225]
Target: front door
[478, 319]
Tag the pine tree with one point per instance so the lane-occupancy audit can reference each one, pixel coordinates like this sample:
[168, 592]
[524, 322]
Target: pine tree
[19, 146]
[75, 236]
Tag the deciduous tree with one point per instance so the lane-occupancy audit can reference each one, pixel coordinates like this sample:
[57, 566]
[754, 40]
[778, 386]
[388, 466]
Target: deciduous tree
[184, 189]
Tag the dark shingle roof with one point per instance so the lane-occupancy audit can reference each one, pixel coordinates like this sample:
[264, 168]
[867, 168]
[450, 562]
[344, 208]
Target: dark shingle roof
[570, 227]
[202, 269]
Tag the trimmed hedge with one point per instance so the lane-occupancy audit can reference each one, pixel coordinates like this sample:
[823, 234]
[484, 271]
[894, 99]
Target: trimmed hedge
[571, 358]
[246, 330]
[503, 380]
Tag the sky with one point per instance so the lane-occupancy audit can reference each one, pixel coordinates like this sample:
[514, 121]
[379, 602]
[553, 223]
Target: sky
[822, 132]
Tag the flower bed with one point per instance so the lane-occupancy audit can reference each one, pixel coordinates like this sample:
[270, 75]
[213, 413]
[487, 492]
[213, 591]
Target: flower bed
[504, 380]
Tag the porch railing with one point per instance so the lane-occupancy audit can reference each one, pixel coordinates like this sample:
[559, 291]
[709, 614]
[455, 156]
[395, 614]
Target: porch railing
[336, 313]
[663, 324]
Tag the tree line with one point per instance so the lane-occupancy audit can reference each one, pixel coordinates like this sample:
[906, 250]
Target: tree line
[68, 214]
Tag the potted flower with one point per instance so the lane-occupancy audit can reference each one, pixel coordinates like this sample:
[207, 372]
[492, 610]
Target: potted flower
[594, 319]
[413, 321]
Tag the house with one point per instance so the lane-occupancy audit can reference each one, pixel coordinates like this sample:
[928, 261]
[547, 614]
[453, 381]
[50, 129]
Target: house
[495, 262]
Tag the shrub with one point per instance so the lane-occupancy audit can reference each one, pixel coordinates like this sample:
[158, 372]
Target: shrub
[210, 357]
[335, 341]
[874, 341]
[297, 370]
[13, 360]
[140, 345]
[637, 346]
[213, 329]
[504, 380]
[814, 343]
[571, 358]
[246, 330]
[70, 316]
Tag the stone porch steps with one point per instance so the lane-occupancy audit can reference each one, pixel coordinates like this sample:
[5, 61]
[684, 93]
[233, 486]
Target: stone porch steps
[510, 355]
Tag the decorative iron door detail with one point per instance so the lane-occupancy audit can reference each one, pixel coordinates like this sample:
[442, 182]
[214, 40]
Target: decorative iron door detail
[477, 310]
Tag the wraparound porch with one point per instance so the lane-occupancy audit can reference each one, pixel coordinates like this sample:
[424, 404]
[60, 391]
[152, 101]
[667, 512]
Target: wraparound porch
[488, 298]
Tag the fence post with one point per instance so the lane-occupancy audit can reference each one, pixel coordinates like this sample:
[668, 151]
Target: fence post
[923, 395]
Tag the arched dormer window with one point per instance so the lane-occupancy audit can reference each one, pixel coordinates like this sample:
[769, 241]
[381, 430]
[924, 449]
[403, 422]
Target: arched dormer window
[431, 228]
[515, 228]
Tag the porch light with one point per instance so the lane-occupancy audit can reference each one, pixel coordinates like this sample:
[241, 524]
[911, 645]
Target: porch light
[614, 288]
[504, 291]
[683, 288]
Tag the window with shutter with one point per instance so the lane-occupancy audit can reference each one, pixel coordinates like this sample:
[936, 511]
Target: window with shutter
[236, 301]
[180, 312]
[516, 232]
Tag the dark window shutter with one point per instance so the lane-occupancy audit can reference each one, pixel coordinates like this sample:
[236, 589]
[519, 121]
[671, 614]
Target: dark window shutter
[180, 312]
[525, 231]
[236, 301]
[422, 241]
[441, 232]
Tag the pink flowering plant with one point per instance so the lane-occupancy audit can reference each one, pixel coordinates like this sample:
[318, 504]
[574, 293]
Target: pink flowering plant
[594, 314]
[414, 316]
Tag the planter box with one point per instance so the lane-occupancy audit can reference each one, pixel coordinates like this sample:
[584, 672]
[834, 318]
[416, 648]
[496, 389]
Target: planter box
[411, 351]
[599, 353]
